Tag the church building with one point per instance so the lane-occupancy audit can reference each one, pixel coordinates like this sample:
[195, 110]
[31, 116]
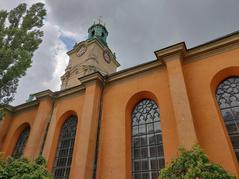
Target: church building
[129, 124]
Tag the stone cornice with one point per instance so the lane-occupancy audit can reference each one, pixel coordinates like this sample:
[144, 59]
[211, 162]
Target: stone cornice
[91, 78]
[42, 94]
[8, 107]
[21, 106]
[209, 47]
[222, 42]
[46, 93]
[179, 49]
[133, 70]
[26, 105]
[69, 91]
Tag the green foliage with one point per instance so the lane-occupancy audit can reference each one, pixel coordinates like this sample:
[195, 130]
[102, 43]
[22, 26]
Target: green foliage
[193, 164]
[24, 169]
[20, 36]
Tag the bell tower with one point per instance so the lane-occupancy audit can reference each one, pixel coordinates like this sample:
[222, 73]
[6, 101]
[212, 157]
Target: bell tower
[89, 56]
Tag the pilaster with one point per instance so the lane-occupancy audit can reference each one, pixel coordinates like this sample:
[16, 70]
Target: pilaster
[172, 58]
[83, 162]
[39, 126]
[4, 126]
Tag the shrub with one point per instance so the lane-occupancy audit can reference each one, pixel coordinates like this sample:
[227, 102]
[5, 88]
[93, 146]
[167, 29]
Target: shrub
[193, 164]
[23, 168]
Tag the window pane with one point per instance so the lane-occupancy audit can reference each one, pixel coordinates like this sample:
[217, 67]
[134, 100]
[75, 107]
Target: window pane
[137, 176]
[154, 164]
[135, 130]
[143, 140]
[137, 166]
[142, 129]
[235, 141]
[160, 150]
[144, 152]
[150, 128]
[147, 147]
[153, 151]
[136, 142]
[145, 165]
[145, 176]
[157, 127]
[136, 153]
[155, 175]
[152, 139]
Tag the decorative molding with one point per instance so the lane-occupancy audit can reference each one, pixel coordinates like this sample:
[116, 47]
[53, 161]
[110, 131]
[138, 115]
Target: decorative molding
[46, 93]
[69, 91]
[179, 48]
[133, 70]
[8, 107]
[26, 105]
[225, 42]
[96, 76]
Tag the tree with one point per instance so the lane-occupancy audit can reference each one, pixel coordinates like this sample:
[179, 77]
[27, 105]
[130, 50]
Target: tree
[20, 36]
[193, 164]
[24, 169]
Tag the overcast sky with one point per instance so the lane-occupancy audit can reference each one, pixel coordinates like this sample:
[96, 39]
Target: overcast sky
[136, 29]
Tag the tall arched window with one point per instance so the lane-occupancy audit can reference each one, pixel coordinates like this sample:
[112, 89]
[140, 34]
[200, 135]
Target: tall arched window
[147, 146]
[228, 99]
[21, 142]
[64, 150]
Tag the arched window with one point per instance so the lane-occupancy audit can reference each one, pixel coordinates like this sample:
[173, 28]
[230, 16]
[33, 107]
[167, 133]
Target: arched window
[147, 146]
[64, 150]
[21, 142]
[228, 99]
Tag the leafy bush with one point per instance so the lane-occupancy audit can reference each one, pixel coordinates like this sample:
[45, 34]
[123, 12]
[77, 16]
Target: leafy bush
[22, 168]
[193, 164]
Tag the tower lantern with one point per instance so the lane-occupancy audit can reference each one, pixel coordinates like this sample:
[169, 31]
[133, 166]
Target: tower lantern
[99, 31]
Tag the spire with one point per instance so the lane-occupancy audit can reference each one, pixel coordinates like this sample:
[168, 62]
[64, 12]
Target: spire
[99, 31]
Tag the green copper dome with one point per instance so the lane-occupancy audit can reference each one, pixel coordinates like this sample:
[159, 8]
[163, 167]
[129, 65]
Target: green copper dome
[98, 31]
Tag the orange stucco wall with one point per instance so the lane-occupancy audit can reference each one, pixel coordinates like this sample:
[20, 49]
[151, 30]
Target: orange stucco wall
[18, 122]
[184, 90]
[202, 78]
[63, 108]
[114, 161]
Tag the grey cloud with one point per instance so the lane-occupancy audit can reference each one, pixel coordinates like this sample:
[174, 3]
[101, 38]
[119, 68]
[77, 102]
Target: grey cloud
[137, 28]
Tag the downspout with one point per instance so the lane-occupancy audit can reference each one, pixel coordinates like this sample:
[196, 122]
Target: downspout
[98, 132]
[47, 127]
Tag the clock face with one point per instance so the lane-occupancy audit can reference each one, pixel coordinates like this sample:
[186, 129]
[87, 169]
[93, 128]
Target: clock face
[81, 51]
[107, 56]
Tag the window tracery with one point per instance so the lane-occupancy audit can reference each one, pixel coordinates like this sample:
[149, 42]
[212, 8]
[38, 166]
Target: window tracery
[147, 146]
[21, 142]
[227, 95]
[62, 165]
